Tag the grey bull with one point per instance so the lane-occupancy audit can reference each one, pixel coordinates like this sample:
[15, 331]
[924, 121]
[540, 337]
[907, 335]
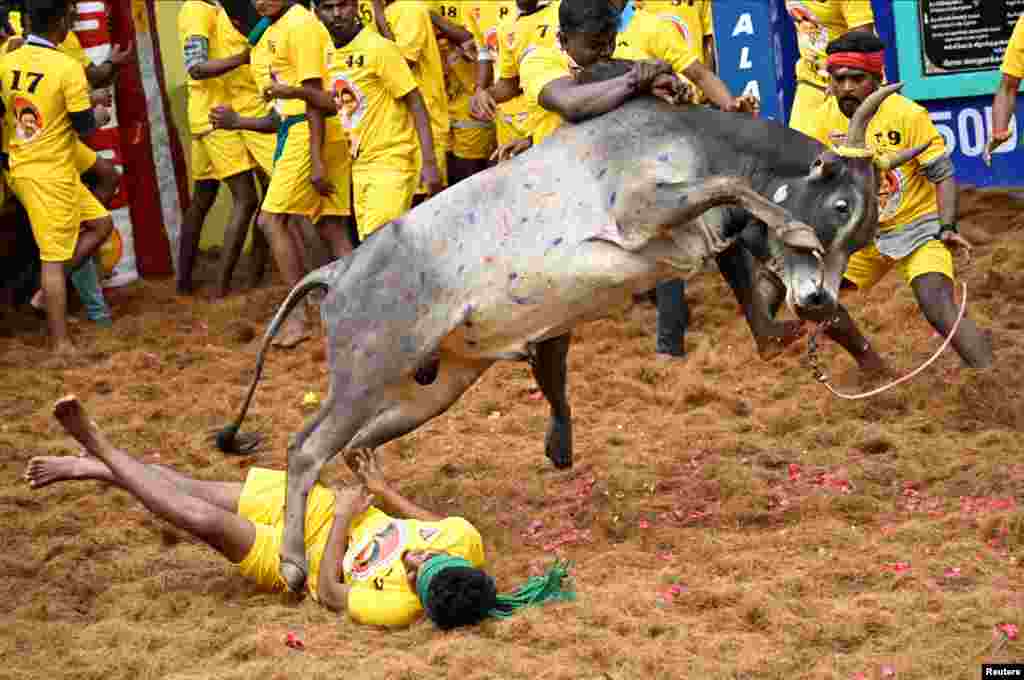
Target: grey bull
[503, 265]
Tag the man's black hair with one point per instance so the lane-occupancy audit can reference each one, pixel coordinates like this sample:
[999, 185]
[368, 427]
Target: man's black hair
[243, 12]
[861, 42]
[460, 596]
[587, 16]
[43, 15]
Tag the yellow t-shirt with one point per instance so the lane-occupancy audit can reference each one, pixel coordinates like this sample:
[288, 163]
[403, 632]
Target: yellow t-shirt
[1013, 60]
[414, 34]
[368, 78]
[199, 19]
[244, 96]
[541, 66]
[483, 21]
[380, 593]
[817, 23]
[296, 45]
[906, 194]
[40, 86]
[71, 45]
[692, 19]
[650, 37]
[459, 72]
[527, 32]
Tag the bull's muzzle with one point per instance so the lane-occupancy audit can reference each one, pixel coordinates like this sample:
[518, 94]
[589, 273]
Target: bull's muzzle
[809, 291]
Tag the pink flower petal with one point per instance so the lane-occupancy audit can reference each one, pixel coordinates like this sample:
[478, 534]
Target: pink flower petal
[676, 589]
[888, 671]
[644, 524]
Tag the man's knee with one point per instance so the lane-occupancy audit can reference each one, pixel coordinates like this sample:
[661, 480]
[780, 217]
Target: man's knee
[243, 191]
[934, 292]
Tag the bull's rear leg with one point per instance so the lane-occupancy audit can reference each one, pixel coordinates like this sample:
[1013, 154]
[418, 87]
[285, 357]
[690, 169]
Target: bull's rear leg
[549, 369]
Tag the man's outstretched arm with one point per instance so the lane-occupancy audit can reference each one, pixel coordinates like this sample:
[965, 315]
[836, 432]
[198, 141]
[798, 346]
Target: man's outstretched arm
[364, 465]
[226, 118]
[331, 589]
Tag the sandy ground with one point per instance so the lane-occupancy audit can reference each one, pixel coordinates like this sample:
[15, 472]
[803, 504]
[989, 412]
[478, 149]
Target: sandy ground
[726, 517]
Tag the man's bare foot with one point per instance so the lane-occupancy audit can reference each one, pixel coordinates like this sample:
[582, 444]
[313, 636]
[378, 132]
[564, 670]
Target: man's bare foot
[293, 331]
[45, 470]
[72, 416]
[773, 344]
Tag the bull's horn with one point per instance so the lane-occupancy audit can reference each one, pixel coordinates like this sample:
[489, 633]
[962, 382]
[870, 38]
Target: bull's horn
[857, 135]
[895, 160]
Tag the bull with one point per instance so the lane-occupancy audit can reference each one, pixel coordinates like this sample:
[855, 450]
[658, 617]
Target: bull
[504, 264]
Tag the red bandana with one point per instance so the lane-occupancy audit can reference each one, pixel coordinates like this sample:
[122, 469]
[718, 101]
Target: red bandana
[873, 62]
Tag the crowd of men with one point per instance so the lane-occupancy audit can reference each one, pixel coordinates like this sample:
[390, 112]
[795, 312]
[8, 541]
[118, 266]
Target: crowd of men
[348, 115]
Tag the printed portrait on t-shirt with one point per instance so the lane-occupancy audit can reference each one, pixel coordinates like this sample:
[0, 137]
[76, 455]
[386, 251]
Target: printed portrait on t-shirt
[28, 122]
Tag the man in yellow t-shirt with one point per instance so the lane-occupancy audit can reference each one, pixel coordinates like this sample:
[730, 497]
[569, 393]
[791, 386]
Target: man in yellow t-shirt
[484, 20]
[372, 94]
[1005, 103]
[45, 97]
[408, 25]
[384, 570]
[217, 155]
[817, 23]
[917, 202]
[693, 20]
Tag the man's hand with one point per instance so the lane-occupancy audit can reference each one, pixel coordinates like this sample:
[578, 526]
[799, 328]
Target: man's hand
[998, 138]
[319, 179]
[102, 115]
[645, 72]
[367, 470]
[224, 118]
[431, 178]
[277, 91]
[119, 56]
[100, 98]
[510, 150]
[748, 103]
[482, 105]
[671, 88]
[352, 500]
[955, 242]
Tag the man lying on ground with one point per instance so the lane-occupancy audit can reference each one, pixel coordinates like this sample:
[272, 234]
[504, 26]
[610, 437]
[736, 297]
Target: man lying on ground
[382, 570]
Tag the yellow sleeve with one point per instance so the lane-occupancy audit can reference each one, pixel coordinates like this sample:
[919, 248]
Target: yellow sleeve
[15, 20]
[857, 13]
[308, 51]
[1013, 60]
[920, 130]
[670, 46]
[410, 29]
[540, 67]
[76, 89]
[707, 19]
[195, 20]
[394, 71]
[73, 48]
[388, 607]
[507, 66]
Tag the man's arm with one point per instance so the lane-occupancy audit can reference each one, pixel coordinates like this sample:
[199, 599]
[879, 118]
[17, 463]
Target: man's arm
[317, 131]
[102, 75]
[212, 68]
[456, 34]
[1003, 107]
[948, 196]
[226, 118]
[313, 96]
[421, 121]
[714, 89]
[364, 465]
[330, 588]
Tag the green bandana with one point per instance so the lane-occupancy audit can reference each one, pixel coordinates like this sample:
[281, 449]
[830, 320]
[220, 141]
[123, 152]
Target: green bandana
[536, 590]
[258, 30]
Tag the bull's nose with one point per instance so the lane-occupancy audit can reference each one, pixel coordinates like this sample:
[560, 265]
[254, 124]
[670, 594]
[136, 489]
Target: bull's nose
[813, 301]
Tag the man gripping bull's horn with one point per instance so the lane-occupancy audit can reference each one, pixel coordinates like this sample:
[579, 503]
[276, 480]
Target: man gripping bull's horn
[504, 264]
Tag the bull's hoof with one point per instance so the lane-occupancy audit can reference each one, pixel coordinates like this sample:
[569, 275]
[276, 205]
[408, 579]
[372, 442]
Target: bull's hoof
[558, 443]
[427, 373]
[293, 575]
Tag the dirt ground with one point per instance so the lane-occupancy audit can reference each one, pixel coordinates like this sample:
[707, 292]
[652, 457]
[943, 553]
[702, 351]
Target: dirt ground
[727, 517]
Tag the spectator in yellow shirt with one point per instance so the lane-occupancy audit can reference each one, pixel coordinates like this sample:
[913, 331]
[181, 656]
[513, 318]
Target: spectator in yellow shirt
[45, 99]
[693, 20]
[1005, 102]
[817, 23]
[917, 202]
[384, 570]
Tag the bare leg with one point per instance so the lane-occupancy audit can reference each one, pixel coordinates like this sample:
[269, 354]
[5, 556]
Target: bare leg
[228, 533]
[55, 293]
[289, 262]
[203, 196]
[260, 245]
[334, 231]
[243, 193]
[92, 236]
[934, 294]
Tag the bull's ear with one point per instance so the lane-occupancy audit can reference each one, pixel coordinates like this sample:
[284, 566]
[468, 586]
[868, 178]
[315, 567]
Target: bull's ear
[824, 167]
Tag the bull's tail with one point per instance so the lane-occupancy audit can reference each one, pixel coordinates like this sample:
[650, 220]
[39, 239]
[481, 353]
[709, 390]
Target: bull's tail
[227, 439]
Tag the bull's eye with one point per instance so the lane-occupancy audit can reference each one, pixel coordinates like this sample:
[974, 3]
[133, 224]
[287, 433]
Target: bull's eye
[842, 206]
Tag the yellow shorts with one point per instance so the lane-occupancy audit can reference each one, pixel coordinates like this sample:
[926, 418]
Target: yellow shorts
[262, 503]
[219, 154]
[806, 102]
[382, 193]
[867, 266]
[261, 147]
[85, 157]
[511, 128]
[57, 208]
[473, 142]
[290, 190]
[441, 154]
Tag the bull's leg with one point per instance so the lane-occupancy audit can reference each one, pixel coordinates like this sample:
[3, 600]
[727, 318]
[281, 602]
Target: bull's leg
[844, 331]
[549, 369]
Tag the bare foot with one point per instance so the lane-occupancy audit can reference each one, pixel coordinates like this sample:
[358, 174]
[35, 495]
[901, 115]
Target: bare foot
[45, 470]
[294, 331]
[72, 416]
[774, 344]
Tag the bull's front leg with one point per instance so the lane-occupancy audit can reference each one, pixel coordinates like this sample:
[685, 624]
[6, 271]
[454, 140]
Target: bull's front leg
[549, 369]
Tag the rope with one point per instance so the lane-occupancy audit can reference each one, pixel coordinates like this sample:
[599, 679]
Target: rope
[812, 348]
